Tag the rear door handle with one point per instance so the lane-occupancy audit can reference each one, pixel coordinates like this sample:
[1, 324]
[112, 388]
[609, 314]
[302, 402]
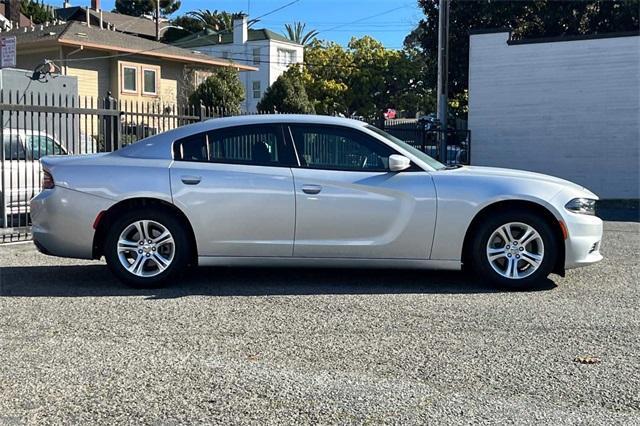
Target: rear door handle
[311, 189]
[190, 180]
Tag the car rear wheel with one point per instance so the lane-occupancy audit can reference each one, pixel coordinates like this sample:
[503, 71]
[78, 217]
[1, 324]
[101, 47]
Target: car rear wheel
[146, 248]
[514, 250]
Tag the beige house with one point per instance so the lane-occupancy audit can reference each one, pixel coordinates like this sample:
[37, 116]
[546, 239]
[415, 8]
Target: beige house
[130, 68]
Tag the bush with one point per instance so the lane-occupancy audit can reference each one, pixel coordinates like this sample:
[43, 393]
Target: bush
[222, 90]
[287, 95]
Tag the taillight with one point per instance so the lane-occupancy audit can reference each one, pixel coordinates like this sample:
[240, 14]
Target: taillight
[47, 180]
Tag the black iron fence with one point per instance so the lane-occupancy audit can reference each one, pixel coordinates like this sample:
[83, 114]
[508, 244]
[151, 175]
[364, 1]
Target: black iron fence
[425, 137]
[32, 126]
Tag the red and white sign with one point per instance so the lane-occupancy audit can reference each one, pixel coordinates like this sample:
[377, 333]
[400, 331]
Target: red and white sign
[7, 52]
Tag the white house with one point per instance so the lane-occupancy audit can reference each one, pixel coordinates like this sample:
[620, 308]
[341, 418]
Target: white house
[568, 107]
[272, 53]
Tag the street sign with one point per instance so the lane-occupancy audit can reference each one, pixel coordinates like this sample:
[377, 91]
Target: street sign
[7, 52]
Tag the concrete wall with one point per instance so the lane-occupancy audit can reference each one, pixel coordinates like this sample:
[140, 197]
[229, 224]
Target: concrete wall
[569, 109]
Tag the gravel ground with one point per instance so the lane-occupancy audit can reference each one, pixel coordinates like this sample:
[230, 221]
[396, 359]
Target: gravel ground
[319, 346]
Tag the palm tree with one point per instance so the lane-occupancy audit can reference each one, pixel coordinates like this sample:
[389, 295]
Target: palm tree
[212, 19]
[218, 21]
[295, 33]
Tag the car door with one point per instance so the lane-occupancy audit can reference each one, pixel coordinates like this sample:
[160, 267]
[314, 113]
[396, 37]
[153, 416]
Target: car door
[348, 203]
[235, 186]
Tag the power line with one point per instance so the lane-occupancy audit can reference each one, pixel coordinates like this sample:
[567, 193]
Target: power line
[363, 19]
[119, 55]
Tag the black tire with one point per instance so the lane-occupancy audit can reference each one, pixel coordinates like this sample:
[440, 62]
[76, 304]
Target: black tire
[480, 259]
[181, 248]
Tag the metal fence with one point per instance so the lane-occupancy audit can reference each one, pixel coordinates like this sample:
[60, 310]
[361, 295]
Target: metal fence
[32, 126]
[423, 136]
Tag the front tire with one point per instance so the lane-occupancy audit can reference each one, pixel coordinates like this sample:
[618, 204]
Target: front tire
[146, 248]
[514, 250]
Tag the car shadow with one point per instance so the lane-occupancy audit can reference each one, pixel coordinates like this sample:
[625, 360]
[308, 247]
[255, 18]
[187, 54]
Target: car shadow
[97, 281]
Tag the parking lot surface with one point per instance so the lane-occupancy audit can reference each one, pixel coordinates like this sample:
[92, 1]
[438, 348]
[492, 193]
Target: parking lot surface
[271, 346]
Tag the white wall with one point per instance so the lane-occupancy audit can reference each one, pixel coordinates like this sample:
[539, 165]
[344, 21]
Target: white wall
[268, 68]
[569, 109]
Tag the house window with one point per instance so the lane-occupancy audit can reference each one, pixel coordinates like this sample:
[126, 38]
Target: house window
[149, 81]
[256, 56]
[286, 57]
[256, 90]
[129, 79]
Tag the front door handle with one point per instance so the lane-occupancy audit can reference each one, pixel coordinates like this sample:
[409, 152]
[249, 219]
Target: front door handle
[190, 180]
[311, 189]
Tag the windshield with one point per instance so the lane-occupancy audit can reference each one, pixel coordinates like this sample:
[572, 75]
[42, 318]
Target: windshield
[414, 151]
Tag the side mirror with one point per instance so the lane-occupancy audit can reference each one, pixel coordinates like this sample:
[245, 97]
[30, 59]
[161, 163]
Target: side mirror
[398, 163]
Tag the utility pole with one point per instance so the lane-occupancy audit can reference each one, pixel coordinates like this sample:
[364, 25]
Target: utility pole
[443, 72]
[157, 20]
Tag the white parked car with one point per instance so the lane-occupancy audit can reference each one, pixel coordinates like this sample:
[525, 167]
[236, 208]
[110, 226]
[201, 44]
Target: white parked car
[307, 190]
[21, 167]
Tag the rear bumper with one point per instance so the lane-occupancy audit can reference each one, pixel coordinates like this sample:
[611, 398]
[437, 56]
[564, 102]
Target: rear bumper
[63, 222]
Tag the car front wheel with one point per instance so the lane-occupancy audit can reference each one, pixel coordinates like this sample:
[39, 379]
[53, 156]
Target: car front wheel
[146, 248]
[514, 250]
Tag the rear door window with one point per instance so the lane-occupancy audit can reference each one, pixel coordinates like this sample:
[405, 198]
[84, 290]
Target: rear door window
[258, 145]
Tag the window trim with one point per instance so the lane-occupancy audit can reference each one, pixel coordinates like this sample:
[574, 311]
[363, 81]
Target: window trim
[156, 82]
[374, 140]
[124, 90]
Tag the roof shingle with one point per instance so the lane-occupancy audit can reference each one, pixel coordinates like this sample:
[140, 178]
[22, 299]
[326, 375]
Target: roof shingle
[79, 34]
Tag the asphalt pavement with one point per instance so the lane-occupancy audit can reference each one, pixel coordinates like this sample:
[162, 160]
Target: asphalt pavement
[278, 346]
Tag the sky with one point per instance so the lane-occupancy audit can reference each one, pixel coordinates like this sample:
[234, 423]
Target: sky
[389, 21]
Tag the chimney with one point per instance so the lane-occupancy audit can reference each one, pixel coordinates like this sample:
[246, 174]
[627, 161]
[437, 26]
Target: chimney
[240, 32]
[95, 4]
[13, 11]
[66, 4]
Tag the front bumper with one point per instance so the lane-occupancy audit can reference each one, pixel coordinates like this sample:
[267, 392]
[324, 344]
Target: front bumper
[63, 222]
[582, 247]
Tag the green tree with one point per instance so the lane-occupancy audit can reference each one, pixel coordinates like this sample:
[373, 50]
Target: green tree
[222, 90]
[287, 94]
[525, 19]
[326, 73]
[296, 33]
[213, 19]
[37, 12]
[364, 79]
[142, 7]
[183, 26]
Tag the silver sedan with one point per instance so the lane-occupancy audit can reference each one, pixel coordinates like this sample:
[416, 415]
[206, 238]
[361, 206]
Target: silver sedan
[307, 190]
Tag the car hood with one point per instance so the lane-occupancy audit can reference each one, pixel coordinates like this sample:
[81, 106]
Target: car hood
[495, 172]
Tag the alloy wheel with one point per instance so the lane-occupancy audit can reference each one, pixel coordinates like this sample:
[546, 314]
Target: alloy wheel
[146, 248]
[515, 250]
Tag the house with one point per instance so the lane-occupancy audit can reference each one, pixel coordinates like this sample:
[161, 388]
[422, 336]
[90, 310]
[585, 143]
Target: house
[565, 106]
[10, 15]
[130, 67]
[139, 26]
[272, 53]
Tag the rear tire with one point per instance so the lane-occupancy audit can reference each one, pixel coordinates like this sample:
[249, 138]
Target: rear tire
[147, 248]
[514, 250]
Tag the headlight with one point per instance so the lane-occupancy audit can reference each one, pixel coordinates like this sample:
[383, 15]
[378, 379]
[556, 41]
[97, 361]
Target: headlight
[582, 206]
